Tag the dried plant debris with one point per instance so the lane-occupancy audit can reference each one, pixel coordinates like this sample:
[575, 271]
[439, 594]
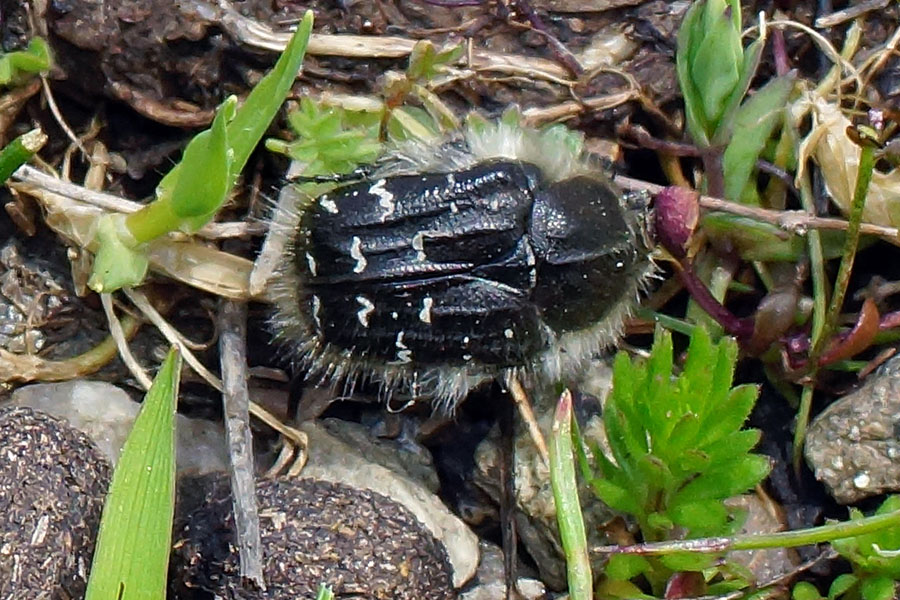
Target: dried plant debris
[358, 542]
[52, 484]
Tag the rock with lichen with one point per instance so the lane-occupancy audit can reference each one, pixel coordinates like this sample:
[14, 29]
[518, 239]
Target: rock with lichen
[313, 532]
[52, 484]
[853, 446]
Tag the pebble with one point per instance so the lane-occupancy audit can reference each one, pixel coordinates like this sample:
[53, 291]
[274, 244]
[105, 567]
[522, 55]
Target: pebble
[853, 445]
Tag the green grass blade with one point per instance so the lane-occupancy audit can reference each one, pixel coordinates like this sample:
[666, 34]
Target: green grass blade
[132, 555]
[19, 151]
[568, 508]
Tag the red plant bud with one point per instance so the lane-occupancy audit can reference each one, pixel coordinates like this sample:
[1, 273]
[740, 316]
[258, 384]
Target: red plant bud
[677, 211]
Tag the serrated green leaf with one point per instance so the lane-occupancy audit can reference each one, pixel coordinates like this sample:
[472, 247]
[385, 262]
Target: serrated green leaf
[731, 417]
[623, 567]
[614, 496]
[683, 436]
[752, 127]
[132, 555]
[732, 445]
[724, 480]
[703, 517]
[696, 377]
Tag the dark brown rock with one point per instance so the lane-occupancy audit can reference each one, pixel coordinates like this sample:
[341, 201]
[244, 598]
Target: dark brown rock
[52, 484]
[359, 542]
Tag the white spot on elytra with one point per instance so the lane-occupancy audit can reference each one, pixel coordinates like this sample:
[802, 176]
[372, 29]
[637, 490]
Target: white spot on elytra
[394, 315]
[363, 313]
[466, 340]
[425, 313]
[311, 261]
[404, 354]
[329, 205]
[385, 198]
[418, 244]
[467, 357]
[508, 333]
[316, 307]
[454, 208]
[357, 255]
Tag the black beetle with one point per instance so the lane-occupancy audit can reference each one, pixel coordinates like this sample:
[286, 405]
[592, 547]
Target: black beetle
[502, 253]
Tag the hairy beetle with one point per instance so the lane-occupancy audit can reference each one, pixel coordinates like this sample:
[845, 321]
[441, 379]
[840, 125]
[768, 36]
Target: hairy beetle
[502, 252]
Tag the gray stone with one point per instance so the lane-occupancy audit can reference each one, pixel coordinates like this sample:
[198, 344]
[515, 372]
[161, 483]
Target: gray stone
[106, 413]
[853, 446]
[535, 513]
[490, 578]
[766, 565]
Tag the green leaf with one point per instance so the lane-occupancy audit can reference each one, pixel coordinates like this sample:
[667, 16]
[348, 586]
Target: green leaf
[689, 35]
[841, 585]
[877, 588]
[19, 151]
[734, 412]
[196, 199]
[753, 124]
[132, 555]
[716, 67]
[253, 118]
[805, 591]
[703, 517]
[731, 446]
[116, 264]
[34, 59]
[324, 593]
[614, 496]
[688, 561]
[626, 566]
[724, 480]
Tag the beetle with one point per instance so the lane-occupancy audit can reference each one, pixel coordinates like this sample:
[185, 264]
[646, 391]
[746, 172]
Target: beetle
[503, 252]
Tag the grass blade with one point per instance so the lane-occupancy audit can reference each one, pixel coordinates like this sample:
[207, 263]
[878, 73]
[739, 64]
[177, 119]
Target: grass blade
[568, 508]
[132, 555]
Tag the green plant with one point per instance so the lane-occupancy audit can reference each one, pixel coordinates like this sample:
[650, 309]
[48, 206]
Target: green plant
[132, 556]
[875, 558]
[714, 73]
[676, 450]
[14, 66]
[191, 193]
[330, 140]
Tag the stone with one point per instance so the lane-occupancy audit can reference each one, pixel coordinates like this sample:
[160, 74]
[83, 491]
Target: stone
[853, 446]
[106, 413]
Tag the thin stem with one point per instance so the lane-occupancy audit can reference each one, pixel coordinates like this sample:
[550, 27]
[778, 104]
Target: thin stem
[817, 268]
[782, 539]
[842, 281]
